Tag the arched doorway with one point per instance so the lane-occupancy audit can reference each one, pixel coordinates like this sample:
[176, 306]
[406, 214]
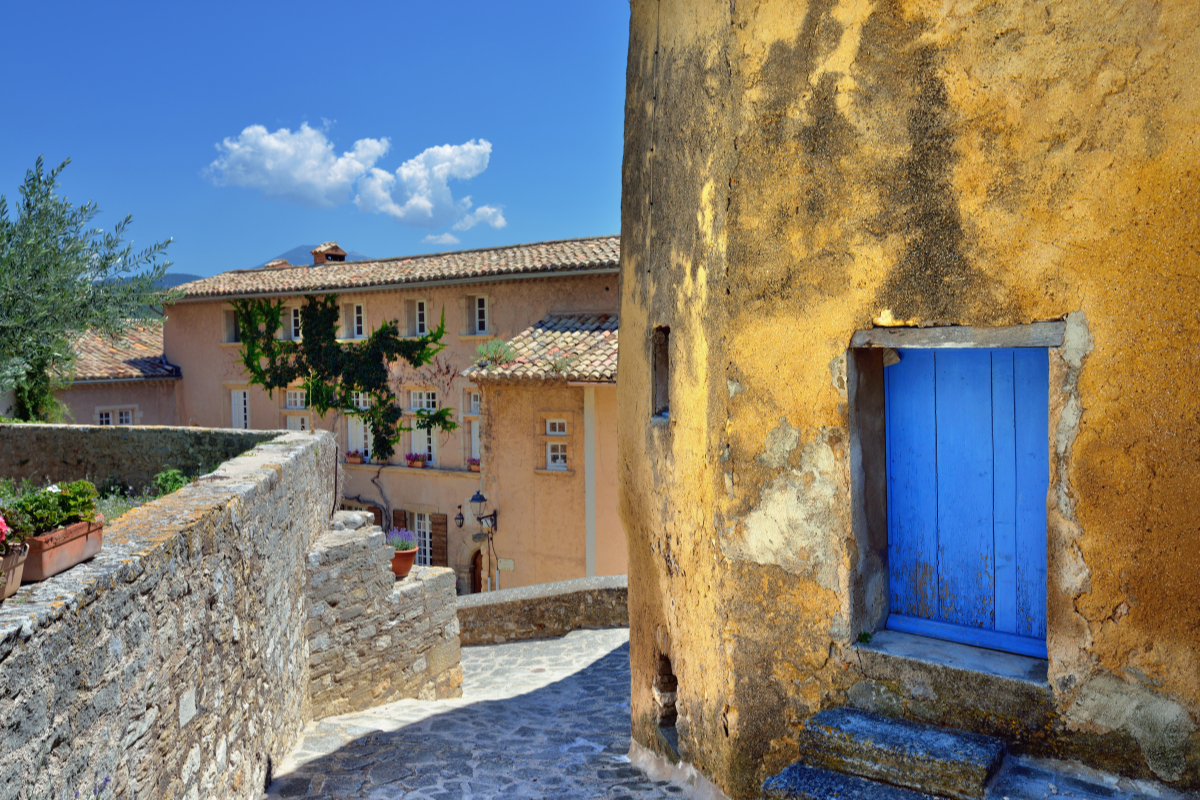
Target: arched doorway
[477, 572]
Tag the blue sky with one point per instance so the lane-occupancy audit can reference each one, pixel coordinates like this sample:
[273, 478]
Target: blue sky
[241, 130]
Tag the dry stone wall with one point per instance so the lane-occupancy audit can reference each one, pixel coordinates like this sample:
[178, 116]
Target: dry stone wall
[175, 661]
[544, 611]
[374, 639]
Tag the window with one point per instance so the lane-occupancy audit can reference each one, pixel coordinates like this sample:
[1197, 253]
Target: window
[296, 422]
[297, 398]
[479, 314]
[423, 399]
[358, 432]
[231, 327]
[296, 331]
[358, 323]
[125, 416]
[556, 427]
[423, 442]
[105, 418]
[475, 402]
[661, 406]
[423, 528]
[475, 438]
[239, 402]
[420, 320]
[556, 457]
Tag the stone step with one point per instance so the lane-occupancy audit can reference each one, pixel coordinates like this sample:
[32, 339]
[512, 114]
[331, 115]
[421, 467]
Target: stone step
[799, 782]
[939, 761]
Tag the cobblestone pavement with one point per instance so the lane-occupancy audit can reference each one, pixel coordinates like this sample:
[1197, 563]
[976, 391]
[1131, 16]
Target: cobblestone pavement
[539, 719]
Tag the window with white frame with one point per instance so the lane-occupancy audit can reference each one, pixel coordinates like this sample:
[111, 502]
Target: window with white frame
[423, 528]
[556, 427]
[479, 314]
[423, 399]
[296, 330]
[297, 422]
[297, 398]
[359, 432]
[475, 438]
[423, 441]
[556, 457]
[125, 416]
[358, 322]
[231, 327]
[421, 321]
[475, 402]
[104, 418]
[239, 403]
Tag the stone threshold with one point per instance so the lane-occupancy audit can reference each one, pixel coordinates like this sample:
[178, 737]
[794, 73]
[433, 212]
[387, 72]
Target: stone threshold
[887, 645]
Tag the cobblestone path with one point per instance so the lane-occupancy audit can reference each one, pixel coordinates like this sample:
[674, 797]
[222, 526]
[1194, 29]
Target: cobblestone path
[544, 719]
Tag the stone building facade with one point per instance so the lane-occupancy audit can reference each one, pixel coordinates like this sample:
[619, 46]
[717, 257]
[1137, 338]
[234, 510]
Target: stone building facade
[815, 192]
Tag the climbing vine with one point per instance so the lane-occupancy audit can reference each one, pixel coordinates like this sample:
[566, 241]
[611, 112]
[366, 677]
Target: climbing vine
[333, 372]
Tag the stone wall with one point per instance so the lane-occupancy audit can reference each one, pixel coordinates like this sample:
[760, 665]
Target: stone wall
[175, 661]
[132, 454]
[373, 639]
[543, 611]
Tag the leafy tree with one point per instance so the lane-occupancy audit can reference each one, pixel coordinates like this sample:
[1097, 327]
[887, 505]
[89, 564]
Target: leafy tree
[333, 372]
[59, 278]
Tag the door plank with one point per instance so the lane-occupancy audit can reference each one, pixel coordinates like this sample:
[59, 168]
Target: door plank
[1032, 389]
[964, 487]
[1004, 461]
[912, 484]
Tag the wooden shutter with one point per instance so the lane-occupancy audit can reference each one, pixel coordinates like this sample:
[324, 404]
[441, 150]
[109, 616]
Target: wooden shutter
[378, 512]
[399, 518]
[438, 551]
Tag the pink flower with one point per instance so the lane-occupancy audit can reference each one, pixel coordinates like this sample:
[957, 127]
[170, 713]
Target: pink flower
[4, 529]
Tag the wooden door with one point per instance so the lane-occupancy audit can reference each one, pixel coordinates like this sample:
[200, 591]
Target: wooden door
[477, 572]
[968, 471]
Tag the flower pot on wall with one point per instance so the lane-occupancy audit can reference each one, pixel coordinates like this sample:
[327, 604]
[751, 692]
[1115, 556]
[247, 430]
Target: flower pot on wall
[473, 467]
[56, 551]
[402, 562]
[353, 459]
[11, 568]
[416, 464]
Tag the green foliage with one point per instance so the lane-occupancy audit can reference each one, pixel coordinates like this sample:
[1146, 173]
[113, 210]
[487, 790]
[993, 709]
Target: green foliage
[496, 352]
[30, 511]
[864, 637]
[168, 481]
[332, 372]
[59, 278]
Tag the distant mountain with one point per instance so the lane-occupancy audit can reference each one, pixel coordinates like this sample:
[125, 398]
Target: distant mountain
[302, 256]
[172, 279]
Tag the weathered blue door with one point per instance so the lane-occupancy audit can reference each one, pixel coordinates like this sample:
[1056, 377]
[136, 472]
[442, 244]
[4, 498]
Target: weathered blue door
[968, 470]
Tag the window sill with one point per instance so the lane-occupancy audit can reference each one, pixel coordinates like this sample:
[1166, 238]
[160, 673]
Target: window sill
[407, 470]
[660, 421]
[471, 337]
[231, 344]
[351, 340]
[554, 471]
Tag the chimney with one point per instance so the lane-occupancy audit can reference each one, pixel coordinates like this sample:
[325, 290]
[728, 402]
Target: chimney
[329, 251]
[279, 263]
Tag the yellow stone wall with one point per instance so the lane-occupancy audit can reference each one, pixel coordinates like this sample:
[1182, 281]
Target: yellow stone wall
[795, 171]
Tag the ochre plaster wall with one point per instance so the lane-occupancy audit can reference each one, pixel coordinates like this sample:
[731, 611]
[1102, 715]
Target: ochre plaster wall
[794, 171]
[543, 523]
[193, 340]
[153, 401]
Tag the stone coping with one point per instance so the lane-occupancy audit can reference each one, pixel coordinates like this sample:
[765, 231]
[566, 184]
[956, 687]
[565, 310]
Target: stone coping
[139, 537]
[543, 590]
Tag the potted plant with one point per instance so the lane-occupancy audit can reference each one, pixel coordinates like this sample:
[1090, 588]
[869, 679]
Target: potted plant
[12, 559]
[473, 464]
[417, 460]
[404, 543]
[59, 525]
[354, 457]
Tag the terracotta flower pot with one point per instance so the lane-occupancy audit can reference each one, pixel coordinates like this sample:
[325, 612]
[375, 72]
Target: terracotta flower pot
[402, 562]
[353, 459]
[56, 551]
[473, 467]
[11, 567]
[416, 464]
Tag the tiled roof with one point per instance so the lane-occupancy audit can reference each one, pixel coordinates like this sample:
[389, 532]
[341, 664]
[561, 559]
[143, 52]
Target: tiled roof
[567, 347]
[138, 355]
[602, 252]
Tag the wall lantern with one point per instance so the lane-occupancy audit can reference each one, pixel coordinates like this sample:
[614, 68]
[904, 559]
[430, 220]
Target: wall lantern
[458, 518]
[486, 520]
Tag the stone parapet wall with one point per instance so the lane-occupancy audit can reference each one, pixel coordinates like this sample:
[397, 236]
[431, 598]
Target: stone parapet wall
[543, 611]
[132, 454]
[373, 639]
[175, 661]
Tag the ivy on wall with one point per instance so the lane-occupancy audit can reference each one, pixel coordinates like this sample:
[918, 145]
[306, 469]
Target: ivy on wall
[332, 372]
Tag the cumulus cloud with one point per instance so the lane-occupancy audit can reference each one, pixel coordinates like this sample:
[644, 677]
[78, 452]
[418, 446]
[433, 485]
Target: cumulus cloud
[303, 167]
[425, 183]
[298, 166]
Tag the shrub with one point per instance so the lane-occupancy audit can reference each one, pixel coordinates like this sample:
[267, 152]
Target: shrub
[496, 352]
[168, 481]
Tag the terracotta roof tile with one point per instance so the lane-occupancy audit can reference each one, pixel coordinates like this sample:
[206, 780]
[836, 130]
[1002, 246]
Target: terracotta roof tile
[601, 252]
[561, 347]
[138, 355]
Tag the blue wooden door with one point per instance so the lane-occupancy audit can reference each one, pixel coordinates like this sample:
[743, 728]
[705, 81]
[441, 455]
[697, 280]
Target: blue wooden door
[968, 471]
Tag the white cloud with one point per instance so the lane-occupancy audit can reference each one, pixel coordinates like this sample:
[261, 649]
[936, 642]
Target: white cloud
[424, 180]
[300, 167]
